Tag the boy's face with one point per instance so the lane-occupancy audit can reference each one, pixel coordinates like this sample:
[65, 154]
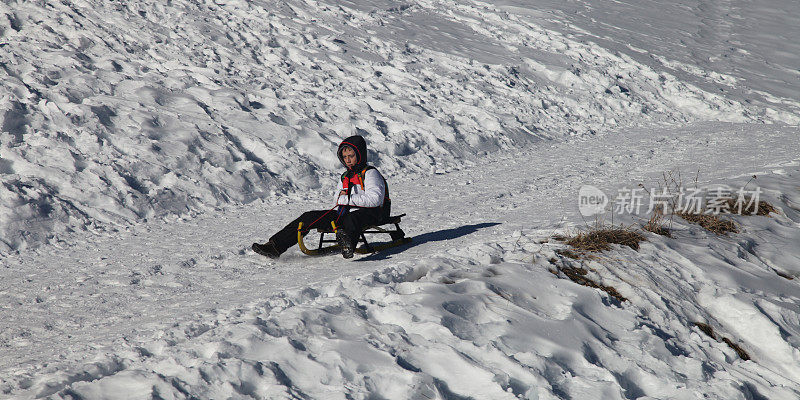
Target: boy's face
[349, 157]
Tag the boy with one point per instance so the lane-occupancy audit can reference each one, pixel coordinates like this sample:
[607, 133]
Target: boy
[362, 200]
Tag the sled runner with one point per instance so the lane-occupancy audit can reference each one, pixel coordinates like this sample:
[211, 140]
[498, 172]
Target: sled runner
[397, 235]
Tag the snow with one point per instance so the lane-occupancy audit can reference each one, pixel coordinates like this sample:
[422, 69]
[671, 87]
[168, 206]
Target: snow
[144, 146]
[743, 50]
[177, 109]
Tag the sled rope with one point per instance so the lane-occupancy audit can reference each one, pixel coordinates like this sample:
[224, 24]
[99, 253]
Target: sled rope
[300, 228]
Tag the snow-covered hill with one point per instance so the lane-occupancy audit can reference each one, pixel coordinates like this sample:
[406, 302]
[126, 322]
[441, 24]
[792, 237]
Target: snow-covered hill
[114, 112]
[743, 50]
[145, 145]
[469, 311]
[185, 307]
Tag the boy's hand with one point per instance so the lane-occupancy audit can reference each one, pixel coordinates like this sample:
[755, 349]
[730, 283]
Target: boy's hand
[343, 192]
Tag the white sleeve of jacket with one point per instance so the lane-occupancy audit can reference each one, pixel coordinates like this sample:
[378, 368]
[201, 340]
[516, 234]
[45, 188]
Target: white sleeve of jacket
[371, 196]
[339, 190]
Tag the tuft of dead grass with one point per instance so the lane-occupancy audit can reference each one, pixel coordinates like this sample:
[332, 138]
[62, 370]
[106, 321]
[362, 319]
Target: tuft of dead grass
[738, 349]
[568, 253]
[706, 328]
[784, 275]
[600, 239]
[711, 222]
[578, 275]
[763, 208]
[709, 331]
[657, 223]
[669, 189]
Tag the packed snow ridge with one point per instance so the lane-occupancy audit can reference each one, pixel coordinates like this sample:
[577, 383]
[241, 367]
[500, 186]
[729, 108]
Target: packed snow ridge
[115, 112]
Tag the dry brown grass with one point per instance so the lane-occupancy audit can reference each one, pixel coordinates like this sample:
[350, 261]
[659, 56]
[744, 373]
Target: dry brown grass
[669, 188]
[706, 328]
[569, 253]
[658, 223]
[601, 238]
[738, 349]
[784, 275]
[763, 209]
[711, 222]
[709, 331]
[578, 275]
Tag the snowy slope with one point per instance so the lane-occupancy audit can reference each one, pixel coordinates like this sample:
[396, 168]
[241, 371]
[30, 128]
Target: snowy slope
[110, 309]
[114, 112]
[489, 323]
[745, 50]
[145, 145]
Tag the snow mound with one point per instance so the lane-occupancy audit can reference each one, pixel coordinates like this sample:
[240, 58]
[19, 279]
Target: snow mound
[112, 112]
[496, 320]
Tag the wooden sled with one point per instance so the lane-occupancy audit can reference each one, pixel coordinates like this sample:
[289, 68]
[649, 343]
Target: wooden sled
[397, 235]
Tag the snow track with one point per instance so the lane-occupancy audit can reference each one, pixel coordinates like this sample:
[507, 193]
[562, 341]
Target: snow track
[115, 291]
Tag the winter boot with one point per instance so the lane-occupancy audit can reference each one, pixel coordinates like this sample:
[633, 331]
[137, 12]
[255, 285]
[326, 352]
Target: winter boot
[267, 249]
[345, 243]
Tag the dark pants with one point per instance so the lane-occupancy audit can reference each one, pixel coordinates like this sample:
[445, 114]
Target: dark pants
[353, 222]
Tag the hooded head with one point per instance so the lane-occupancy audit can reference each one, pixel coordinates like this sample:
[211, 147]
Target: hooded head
[359, 145]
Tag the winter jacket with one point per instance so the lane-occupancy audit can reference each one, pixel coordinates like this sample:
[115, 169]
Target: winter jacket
[374, 192]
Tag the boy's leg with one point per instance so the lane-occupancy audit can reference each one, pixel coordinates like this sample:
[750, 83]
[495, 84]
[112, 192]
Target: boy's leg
[287, 237]
[357, 219]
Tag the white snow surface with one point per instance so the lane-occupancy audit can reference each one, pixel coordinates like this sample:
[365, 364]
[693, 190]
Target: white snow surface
[118, 112]
[145, 145]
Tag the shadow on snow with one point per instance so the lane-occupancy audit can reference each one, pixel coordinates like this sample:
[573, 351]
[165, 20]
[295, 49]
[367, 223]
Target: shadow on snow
[437, 236]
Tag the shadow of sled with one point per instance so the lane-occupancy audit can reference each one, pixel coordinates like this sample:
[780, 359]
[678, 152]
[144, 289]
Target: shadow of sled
[438, 236]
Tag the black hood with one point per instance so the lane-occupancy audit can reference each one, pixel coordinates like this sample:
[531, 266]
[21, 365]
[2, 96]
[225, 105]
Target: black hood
[358, 144]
